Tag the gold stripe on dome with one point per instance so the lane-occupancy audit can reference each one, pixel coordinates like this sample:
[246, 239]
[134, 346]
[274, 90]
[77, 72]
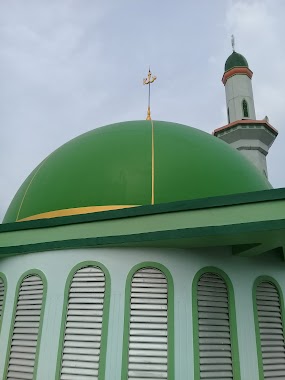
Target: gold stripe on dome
[75, 211]
[152, 163]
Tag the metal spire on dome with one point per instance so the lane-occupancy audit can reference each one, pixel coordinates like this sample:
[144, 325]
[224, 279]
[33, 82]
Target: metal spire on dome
[233, 42]
[150, 79]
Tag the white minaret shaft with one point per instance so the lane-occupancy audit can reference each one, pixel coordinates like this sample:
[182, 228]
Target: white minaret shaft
[238, 87]
[249, 136]
[239, 98]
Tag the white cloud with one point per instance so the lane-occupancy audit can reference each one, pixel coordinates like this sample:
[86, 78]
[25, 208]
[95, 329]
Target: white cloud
[48, 87]
[70, 66]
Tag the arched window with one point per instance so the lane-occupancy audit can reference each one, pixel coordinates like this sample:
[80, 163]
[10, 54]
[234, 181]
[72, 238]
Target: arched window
[215, 343]
[245, 108]
[148, 340]
[84, 341]
[269, 329]
[2, 296]
[26, 328]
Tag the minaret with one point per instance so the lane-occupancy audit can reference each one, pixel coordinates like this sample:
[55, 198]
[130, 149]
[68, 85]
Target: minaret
[237, 82]
[251, 137]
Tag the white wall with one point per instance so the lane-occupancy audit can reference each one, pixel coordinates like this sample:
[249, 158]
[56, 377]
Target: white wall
[183, 265]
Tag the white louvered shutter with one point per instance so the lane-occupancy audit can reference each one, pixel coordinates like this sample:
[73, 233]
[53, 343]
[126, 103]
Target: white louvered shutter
[2, 294]
[26, 329]
[82, 340]
[148, 338]
[271, 331]
[214, 328]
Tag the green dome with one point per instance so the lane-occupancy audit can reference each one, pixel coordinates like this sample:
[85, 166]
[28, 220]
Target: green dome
[235, 60]
[112, 166]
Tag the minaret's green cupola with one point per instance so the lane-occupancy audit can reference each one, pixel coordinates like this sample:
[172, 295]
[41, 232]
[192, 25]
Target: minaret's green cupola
[239, 95]
[235, 60]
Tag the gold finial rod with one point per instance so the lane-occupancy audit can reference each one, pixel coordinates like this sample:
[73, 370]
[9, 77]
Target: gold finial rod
[150, 79]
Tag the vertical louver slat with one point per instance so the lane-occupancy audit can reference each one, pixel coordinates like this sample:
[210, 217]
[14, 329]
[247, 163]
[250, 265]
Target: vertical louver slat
[271, 331]
[148, 334]
[215, 349]
[83, 330]
[2, 293]
[26, 329]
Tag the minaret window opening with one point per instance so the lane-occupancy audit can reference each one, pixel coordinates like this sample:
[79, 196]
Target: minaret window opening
[228, 115]
[245, 108]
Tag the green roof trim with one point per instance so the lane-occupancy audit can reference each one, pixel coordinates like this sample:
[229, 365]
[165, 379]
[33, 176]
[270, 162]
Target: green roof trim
[196, 204]
[222, 235]
[112, 165]
[235, 60]
[196, 227]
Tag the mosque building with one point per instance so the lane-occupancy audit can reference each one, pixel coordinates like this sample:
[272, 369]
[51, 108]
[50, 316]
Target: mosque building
[148, 250]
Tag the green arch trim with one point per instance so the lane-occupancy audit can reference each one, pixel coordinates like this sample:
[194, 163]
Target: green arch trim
[4, 279]
[233, 322]
[257, 282]
[170, 316]
[41, 275]
[105, 320]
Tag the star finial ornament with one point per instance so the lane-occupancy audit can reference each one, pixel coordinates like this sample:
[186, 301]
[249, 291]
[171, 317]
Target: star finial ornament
[150, 79]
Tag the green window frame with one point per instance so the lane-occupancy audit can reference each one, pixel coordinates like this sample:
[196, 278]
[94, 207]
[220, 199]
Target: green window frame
[257, 282]
[232, 320]
[105, 316]
[170, 316]
[3, 279]
[245, 108]
[27, 274]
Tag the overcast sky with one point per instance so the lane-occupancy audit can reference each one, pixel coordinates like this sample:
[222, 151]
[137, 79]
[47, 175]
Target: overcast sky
[67, 67]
